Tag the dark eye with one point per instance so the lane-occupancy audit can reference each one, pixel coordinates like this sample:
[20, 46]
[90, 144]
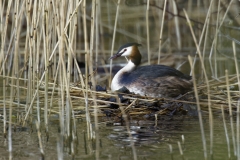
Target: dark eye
[123, 50]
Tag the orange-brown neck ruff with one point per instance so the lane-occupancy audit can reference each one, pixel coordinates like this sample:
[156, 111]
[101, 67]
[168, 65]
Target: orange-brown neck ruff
[135, 56]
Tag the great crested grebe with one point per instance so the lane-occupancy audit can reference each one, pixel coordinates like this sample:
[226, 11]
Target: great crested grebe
[152, 80]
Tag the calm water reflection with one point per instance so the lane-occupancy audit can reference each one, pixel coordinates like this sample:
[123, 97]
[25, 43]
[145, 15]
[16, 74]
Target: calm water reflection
[151, 141]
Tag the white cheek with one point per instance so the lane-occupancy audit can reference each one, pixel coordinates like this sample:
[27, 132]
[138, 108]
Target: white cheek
[127, 52]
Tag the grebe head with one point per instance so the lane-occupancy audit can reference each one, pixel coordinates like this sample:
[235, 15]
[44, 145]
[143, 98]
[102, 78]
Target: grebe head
[129, 50]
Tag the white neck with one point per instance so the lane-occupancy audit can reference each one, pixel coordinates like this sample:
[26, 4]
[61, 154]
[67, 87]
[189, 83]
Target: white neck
[128, 68]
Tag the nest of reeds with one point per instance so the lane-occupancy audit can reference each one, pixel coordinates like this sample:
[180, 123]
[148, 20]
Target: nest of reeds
[219, 94]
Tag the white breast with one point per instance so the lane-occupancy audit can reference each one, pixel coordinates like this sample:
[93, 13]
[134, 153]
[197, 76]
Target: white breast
[116, 85]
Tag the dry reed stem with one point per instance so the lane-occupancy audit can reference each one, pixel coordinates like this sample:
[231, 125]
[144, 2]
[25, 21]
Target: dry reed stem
[230, 112]
[40, 139]
[204, 30]
[148, 36]
[46, 57]
[208, 87]
[215, 38]
[180, 149]
[215, 74]
[238, 110]
[177, 26]
[3, 38]
[199, 110]
[4, 33]
[86, 47]
[226, 132]
[161, 31]
[237, 129]
[93, 17]
[113, 39]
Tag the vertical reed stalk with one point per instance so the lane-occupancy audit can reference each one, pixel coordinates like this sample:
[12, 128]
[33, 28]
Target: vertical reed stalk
[109, 22]
[199, 108]
[36, 67]
[183, 139]
[226, 133]
[32, 22]
[46, 58]
[10, 122]
[54, 85]
[2, 7]
[92, 38]
[148, 36]
[61, 114]
[62, 77]
[238, 110]
[176, 20]
[14, 74]
[74, 40]
[113, 40]
[214, 47]
[60, 147]
[4, 104]
[71, 46]
[40, 139]
[93, 17]
[4, 27]
[97, 32]
[18, 16]
[161, 31]
[171, 151]
[4, 32]
[180, 149]
[216, 41]
[68, 40]
[10, 149]
[208, 87]
[66, 82]
[55, 43]
[230, 112]
[31, 103]
[216, 34]
[86, 47]
[33, 36]
[206, 23]
[72, 43]
[75, 137]
[101, 31]
[69, 12]
[238, 132]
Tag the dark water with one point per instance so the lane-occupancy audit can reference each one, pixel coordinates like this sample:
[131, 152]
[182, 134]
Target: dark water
[152, 141]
